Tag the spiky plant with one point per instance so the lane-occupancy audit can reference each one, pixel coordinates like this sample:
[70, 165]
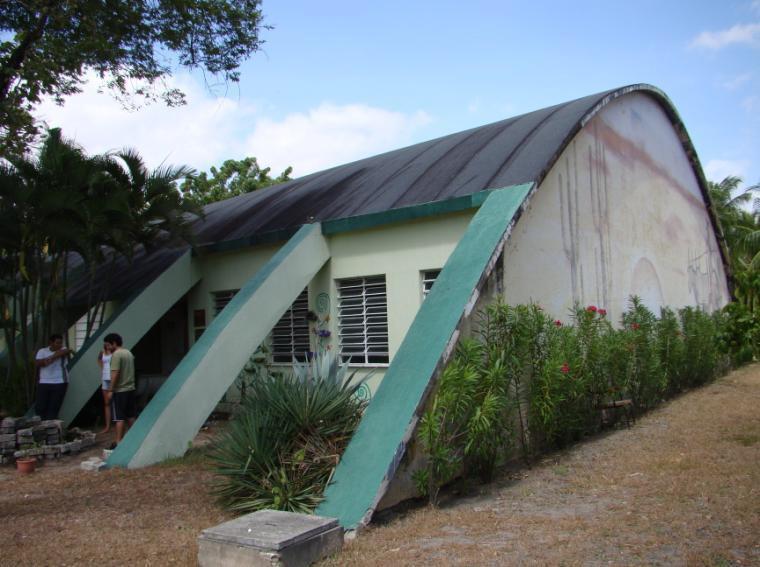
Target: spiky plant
[281, 449]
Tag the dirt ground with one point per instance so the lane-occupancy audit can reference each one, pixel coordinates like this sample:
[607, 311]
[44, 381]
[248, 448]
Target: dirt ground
[61, 515]
[681, 487]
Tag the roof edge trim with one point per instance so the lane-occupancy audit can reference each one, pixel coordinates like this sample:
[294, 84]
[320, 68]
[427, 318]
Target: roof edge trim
[358, 222]
[404, 214]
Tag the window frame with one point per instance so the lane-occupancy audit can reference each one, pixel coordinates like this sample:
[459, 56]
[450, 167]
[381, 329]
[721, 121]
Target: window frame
[425, 278]
[293, 320]
[372, 306]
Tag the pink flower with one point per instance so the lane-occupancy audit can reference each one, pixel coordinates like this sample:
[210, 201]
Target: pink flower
[558, 323]
[565, 368]
[635, 326]
[591, 309]
[602, 312]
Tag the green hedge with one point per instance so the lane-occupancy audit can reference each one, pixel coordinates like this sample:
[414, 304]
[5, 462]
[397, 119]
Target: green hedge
[530, 382]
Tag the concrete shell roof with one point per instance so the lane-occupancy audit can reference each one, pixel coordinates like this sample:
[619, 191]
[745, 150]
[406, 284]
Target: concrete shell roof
[513, 151]
[509, 152]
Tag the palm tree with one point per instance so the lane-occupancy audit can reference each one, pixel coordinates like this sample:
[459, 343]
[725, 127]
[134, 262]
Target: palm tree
[158, 212]
[741, 229]
[41, 207]
[62, 205]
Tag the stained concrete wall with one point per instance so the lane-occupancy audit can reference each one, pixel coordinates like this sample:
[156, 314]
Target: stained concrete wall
[620, 213]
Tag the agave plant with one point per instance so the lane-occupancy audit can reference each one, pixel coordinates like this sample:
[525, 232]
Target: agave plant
[281, 449]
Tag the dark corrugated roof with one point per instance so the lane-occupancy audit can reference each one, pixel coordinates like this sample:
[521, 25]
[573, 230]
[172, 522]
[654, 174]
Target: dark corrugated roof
[509, 152]
[504, 153]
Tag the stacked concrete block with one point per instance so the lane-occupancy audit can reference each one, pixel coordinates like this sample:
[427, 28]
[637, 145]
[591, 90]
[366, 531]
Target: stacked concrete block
[8, 426]
[32, 437]
[53, 431]
[7, 447]
[25, 438]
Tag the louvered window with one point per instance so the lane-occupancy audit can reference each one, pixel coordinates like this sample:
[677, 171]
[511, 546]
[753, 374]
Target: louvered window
[222, 298]
[80, 330]
[290, 336]
[428, 279]
[363, 320]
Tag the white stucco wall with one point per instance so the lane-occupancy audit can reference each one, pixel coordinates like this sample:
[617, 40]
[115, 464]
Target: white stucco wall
[620, 213]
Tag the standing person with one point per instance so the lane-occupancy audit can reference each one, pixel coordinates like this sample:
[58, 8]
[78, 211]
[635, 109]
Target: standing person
[104, 361]
[54, 377]
[122, 394]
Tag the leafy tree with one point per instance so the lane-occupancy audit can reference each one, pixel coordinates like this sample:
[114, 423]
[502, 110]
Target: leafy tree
[741, 229]
[235, 177]
[48, 46]
[58, 208]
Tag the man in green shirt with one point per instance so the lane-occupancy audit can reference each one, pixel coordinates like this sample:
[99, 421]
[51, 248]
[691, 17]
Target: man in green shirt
[122, 394]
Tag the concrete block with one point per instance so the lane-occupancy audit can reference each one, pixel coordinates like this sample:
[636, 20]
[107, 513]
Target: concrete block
[270, 537]
[92, 464]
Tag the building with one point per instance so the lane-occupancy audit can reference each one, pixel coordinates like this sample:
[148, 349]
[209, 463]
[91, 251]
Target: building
[589, 201]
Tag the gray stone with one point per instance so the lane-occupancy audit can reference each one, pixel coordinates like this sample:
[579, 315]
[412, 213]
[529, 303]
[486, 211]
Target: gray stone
[92, 464]
[270, 537]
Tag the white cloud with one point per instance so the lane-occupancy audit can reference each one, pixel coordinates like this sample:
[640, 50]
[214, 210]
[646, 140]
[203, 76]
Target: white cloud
[740, 33]
[330, 135]
[210, 129]
[199, 134]
[718, 169]
[751, 103]
[737, 81]
[473, 106]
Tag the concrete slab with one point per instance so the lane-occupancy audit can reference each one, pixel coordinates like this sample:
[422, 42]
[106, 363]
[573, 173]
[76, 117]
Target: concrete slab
[270, 537]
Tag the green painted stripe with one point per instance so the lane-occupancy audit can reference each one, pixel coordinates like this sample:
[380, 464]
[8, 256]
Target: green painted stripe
[129, 446]
[405, 214]
[358, 222]
[378, 444]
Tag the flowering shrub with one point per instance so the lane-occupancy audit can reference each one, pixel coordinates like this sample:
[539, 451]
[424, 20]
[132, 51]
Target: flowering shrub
[532, 382]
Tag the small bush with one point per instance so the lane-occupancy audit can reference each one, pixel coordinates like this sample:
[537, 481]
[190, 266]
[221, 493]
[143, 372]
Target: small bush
[739, 333]
[538, 384]
[282, 447]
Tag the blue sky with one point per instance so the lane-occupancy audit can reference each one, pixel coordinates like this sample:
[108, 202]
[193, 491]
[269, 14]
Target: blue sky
[337, 80]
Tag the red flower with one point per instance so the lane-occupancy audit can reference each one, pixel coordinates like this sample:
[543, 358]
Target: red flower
[565, 368]
[558, 323]
[591, 309]
[602, 312]
[635, 326]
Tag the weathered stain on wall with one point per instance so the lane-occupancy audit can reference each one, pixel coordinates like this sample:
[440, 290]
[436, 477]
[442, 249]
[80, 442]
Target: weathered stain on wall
[620, 213]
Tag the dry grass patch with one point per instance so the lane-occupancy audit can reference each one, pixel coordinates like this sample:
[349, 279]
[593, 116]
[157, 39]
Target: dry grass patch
[63, 516]
[682, 487]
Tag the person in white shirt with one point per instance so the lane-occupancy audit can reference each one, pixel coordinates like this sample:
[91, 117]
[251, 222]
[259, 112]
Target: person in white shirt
[104, 361]
[54, 377]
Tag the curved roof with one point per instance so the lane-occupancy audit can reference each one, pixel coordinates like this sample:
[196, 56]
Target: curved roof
[509, 152]
[513, 151]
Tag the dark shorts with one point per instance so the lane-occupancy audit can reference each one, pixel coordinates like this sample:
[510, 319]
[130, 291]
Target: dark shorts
[123, 405]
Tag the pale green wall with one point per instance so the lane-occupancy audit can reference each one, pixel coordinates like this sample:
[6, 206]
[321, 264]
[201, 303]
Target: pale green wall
[223, 271]
[400, 251]
[110, 309]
